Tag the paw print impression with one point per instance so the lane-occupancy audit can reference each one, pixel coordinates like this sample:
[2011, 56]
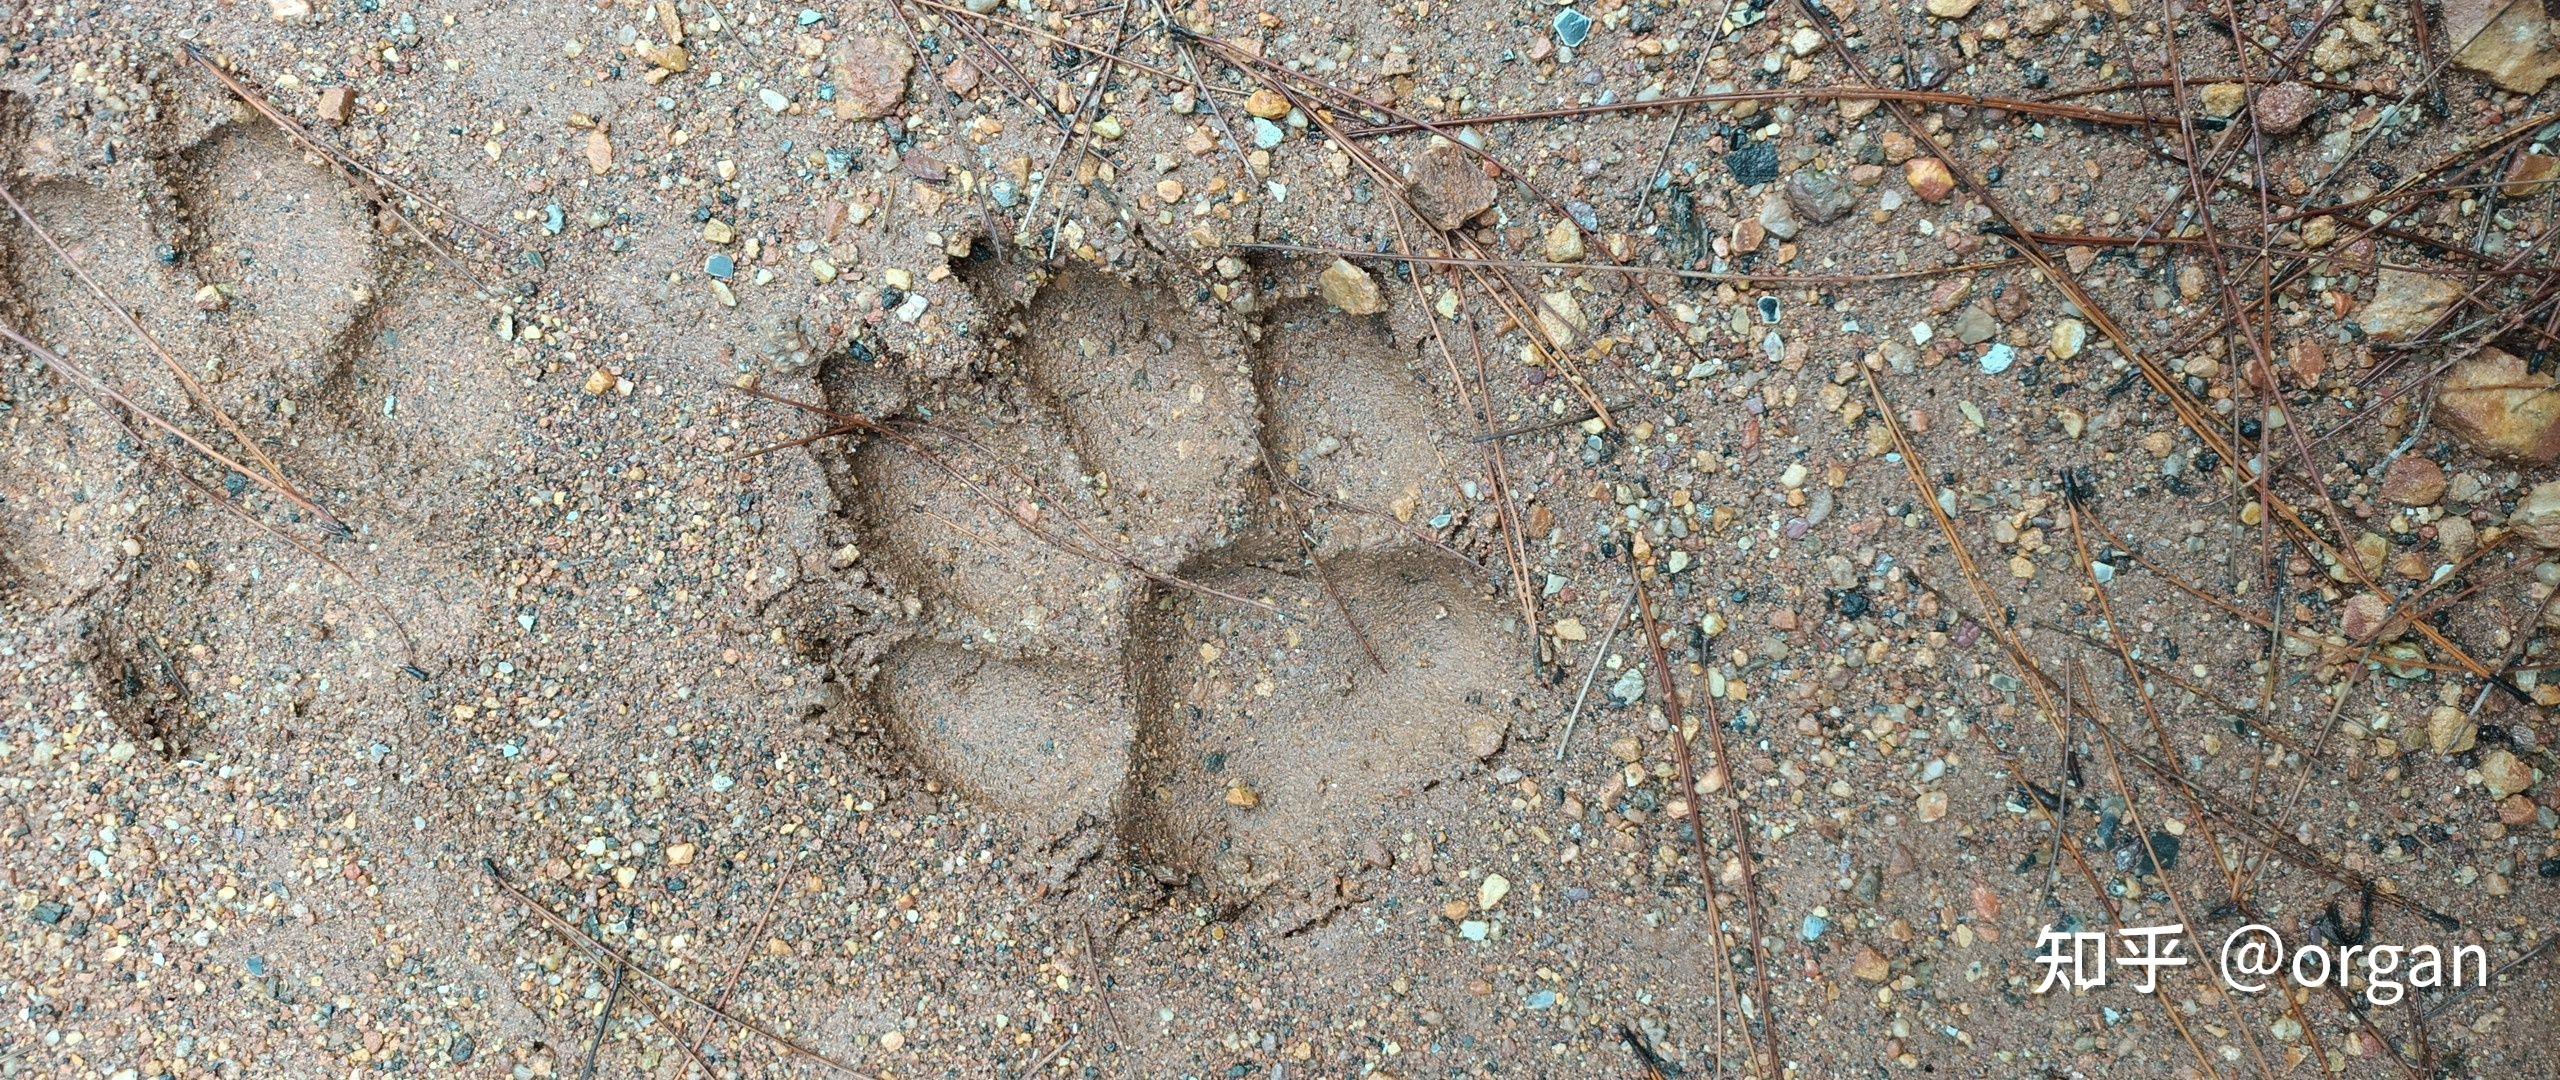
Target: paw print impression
[290, 250]
[258, 270]
[1215, 714]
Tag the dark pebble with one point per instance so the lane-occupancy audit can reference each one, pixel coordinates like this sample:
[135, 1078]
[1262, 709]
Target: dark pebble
[1756, 163]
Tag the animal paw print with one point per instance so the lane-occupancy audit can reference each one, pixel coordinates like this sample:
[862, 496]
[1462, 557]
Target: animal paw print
[259, 272]
[1202, 701]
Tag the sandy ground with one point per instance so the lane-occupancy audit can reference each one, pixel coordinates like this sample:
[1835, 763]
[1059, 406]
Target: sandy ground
[1184, 655]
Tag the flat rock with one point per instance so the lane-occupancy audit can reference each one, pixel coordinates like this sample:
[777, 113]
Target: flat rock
[2414, 481]
[1929, 178]
[1267, 103]
[2514, 45]
[870, 76]
[2498, 408]
[2531, 175]
[1779, 217]
[2223, 99]
[1564, 243]
[1819, 197]
[2284, 107]
[1450, 186]
[1350, 288]
[337, 104]
[2537, 516]
[2367, 620]
[1870, 966]
[2450, 730]
[1976, 325]
[2505, 774]
[2405, 303]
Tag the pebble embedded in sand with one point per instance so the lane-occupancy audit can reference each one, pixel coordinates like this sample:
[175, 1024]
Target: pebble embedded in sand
[2283, 107]
[2498, 407]
[1450, 186]
[1820, 197]
[2531, 175]
[2517, 811]
[2405, 303]
[2505, 774]
[2367, 619]
[1929, 178]
[1267, 103]
[2223, 99]
[1350, 288]
[2069, 335]
[1564, 243]
[1572, 28]
[1975, 325]
[870, 76]
[1870, 966]
[2414, 481]
[2450, 730]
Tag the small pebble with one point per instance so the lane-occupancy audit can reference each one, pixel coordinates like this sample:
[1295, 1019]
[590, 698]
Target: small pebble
[1572, 28]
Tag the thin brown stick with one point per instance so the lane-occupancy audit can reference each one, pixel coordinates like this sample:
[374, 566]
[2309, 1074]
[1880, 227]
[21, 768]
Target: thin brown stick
[102, 390]
[966, 16]
[349, 168]
[2162, 84]
[1661, 170]
[1191, 67]
[1591, 673]
[2037, 680]
[2107, 117]
[2192, 414]
[272, 477]
[1101, 985]
[2528, 956]
[609, 954]
[604, 1021]
[1495, 287]
[134, 410]
[2168, 754]
[1673, 331]
[746, 955]
[1303, 518]
[1640, 269]
[1772, 1066]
